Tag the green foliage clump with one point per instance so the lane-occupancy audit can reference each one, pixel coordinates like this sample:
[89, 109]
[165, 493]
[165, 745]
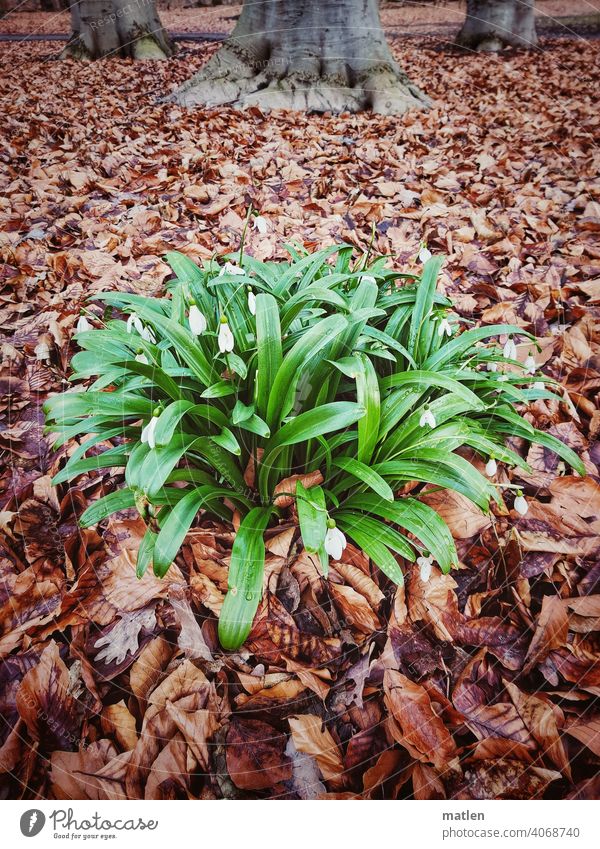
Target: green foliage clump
[312, 364]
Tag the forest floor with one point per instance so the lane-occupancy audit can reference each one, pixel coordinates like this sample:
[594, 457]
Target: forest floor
[112, 687]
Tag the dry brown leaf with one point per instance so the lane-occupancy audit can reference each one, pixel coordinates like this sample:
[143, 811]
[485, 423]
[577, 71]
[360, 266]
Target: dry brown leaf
[541, 718]
[256, 755]
[117, 720]
[587, 733]
[288, 486]
[416, 726]
[313, 738]
[46, 705]
[462, 517]
[551, 631]
[197, 727]
[355, 608]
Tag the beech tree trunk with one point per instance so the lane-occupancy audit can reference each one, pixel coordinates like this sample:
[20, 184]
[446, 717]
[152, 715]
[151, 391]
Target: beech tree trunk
[491, 25]
[116, 28]
[306, 55]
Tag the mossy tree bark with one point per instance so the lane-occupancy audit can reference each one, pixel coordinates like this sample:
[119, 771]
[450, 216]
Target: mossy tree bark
[491, 25]
[116, 28]
[305, 55]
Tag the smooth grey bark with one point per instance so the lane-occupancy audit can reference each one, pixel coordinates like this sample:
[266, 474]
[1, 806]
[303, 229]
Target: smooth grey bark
[305, 55]
[116, 28]
[491, 25]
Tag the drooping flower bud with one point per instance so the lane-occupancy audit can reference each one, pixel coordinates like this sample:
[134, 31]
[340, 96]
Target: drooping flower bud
[226, 340]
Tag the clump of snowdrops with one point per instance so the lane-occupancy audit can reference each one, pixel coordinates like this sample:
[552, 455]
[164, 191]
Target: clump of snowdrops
[320, 364]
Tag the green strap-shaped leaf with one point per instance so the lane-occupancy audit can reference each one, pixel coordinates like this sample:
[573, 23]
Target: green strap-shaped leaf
[310, 344]
[145, 553]
[365, 474]
[302, 273]
[268, 343]
[220, 389]
[241, 412]
[104, 436]
[227, 440]
[93, 424]
[308, 425]
[418, 518]
[183, 267]
[245, 579]
[312, 294]
[448, 471]
[389, 536]
[178, 521]
[72, 405]
[443, 409]
[160, 462]
[122, 499]
[312, 515]
[174, 413]
[542, 438]
[423, 305]
[133, 471]
[156, 375]
[181, 338]
[375, 549]
[431, 379]
[490, 445]
[89, 363]
[178, 304]
[255, 425]
[109, 458]
[390, 342]
[459, 344]
[367, 395]
[395, 407]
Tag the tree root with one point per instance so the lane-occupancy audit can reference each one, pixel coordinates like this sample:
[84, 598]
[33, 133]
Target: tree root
[138, 44]
[228, 79]
[75, 49]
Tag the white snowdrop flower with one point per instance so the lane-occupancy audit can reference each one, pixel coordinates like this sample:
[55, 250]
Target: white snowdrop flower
[427, 418]
[503, 378]
[135, 321]
[335, 541]
[425, 565]
[231, 268]
[225, 337]
[148, 432]
[141, 358]
[261, 225]
[369, 278]
[251, 301]
[197, 320]
[510, 349]
[148, 334]
[539, 385]
[492, 366]
[530, 365]
[520, 504]
[424, 253]
[491, 467]
[445, 327]
[83, 324]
